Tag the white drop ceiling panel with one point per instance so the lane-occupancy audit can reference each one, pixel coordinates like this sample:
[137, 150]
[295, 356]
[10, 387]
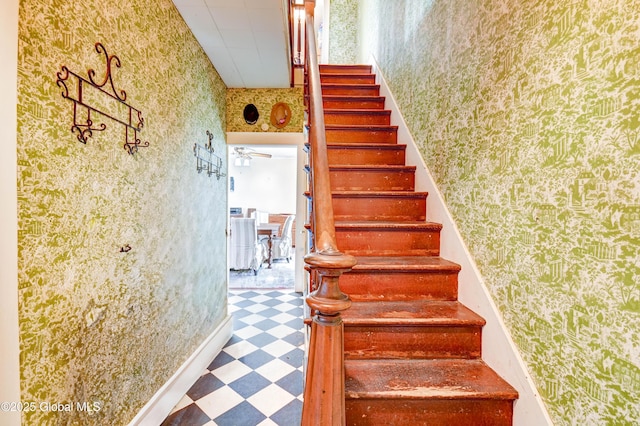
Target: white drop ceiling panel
[246, 40]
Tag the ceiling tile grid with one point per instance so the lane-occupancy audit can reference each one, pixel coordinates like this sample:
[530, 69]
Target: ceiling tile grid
[246, 40]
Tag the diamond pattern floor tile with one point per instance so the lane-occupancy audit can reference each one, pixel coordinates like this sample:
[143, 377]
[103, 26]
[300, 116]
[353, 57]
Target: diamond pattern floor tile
[257, 378]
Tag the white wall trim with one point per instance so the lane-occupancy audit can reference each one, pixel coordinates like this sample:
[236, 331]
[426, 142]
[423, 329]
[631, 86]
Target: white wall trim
[498, 349]
[265, 138]
[9, 322]
[161, 404]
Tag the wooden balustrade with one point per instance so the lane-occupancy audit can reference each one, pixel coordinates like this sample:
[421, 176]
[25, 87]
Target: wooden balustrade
[324, 387]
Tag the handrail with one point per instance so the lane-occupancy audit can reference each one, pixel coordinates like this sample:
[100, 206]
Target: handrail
[324, 386]
[324, 231]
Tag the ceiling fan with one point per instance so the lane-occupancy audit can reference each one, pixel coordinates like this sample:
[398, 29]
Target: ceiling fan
[244, 152]
[244, 156]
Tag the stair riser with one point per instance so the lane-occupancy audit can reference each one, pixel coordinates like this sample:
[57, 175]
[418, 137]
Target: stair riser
[353, 103]
[349, 78]
[345, 69]
[356, 135]
[351, 90]
[384, 209]
[365, 156]
[393, 342]
[357, 117]
[447, 412]
[371, 180]
[377, 285]
[405, 363]
[374, 242]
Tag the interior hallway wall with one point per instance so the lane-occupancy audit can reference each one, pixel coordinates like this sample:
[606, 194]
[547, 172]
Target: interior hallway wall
[9, 349]
[527, 117]
[343, 20]
[269, 184]
[98, 325]
[264, 101]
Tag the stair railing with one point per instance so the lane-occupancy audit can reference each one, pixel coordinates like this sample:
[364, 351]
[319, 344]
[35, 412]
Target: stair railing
[324, 386]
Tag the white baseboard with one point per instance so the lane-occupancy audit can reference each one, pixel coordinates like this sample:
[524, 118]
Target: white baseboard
[498, 349]
[161, 404]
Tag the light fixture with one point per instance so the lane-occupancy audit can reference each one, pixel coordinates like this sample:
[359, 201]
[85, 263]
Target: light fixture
[242, 161]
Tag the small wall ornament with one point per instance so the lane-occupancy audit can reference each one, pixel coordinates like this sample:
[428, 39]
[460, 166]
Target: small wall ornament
[250, 114]
[84, 92]
[206, 159]
[280, 115]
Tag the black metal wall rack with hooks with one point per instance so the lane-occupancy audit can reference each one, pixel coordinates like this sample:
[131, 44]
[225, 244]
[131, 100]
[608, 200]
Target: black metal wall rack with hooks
[83, 92]
[206, 159]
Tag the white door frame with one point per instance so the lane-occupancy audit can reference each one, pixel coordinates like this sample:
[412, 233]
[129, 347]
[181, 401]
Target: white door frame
[281, 139]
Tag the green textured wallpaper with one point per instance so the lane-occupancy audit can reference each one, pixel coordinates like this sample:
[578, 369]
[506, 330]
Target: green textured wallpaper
[527, 116]
[343, 20]
[264, 100]
[97, 325]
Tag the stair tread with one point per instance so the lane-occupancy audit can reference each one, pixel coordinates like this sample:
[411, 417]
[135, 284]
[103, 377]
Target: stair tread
[353, 97]
[405, 263]
[372, 194]
[404, 225]
[357, 111]
[331, 68]
[373, 146]
[371, 167]
[358, 145]
[359, 74]
[424, 378]
[411, 312]
[360, 126]
[348, 85]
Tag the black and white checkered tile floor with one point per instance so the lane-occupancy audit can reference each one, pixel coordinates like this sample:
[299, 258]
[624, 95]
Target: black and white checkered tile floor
[257, 379]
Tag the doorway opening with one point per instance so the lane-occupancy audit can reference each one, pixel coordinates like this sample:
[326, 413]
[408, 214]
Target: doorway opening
[266, 183]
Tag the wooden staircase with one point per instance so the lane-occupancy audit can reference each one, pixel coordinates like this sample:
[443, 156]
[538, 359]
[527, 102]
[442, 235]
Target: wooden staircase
[412, 351]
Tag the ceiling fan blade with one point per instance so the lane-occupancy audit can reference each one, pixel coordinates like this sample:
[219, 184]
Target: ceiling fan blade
[245, 152]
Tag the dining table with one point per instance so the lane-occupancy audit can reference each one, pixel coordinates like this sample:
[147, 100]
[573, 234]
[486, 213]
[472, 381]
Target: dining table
[269, 230]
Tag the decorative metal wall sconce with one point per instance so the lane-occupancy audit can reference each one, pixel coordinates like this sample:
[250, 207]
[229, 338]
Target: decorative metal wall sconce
[206, 159]
[131, 118]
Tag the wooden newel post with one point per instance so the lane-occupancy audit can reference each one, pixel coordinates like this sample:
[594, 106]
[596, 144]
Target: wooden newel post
[324, 387]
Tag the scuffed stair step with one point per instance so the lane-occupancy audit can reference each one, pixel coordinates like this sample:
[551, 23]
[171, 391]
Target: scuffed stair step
[350, 89]
[379, 205]
[401, 278]
[361, 134]
[344, 69]
[426, 392]
[411, 329]
[352, 102]
[356, 154]
[357, 116]
[347, 78]
[372, 178]
[360, 154]
[389, 238]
